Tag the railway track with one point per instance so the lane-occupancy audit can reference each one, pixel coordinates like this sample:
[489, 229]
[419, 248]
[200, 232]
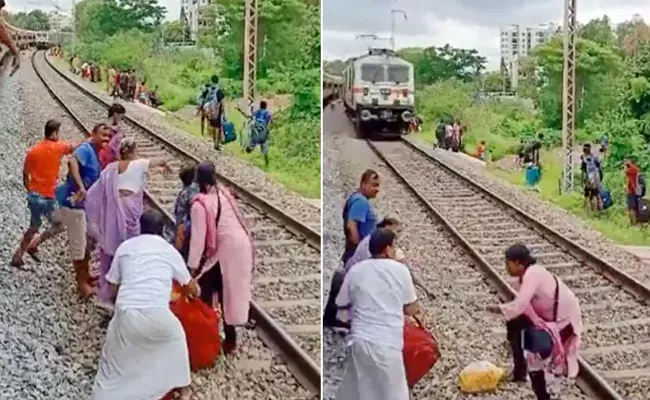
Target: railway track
[615, 356]
[286, 306]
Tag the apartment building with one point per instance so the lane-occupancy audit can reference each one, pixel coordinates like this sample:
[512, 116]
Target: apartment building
[191, 12]
[517, 42]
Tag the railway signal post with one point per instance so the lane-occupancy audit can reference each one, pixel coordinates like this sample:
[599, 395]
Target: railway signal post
[568, 94]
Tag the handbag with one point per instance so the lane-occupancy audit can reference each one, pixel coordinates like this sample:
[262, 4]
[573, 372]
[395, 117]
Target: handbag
[537, 340]
[420, 351]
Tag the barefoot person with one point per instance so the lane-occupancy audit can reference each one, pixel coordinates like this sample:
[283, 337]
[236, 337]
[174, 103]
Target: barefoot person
[5, 38]
[145, 353]
[83, 171]
[40, 175]
[221, 252]
[114, 205]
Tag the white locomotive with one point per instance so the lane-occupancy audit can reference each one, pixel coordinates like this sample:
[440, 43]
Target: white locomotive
[379, 93]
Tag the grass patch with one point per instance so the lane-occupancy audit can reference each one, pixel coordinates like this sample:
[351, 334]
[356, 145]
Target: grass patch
[613, 223]
[300, 176]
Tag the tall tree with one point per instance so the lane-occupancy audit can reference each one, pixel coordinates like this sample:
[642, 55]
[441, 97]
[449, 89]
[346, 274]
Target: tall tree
[599, 30]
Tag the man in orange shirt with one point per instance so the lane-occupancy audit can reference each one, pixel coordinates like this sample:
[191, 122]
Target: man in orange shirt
[40, 175]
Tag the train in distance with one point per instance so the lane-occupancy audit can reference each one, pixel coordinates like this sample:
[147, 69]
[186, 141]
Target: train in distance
[379, 93]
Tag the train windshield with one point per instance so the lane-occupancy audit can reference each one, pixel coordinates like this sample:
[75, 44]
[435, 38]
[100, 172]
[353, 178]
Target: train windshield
[372, 72]
[398, 73]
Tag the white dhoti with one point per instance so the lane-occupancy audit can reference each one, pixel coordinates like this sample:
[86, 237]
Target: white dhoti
[373, 372]
[144, 356]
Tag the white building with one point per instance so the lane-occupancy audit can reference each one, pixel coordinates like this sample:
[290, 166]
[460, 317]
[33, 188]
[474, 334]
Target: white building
[517, 42]
[191, 11]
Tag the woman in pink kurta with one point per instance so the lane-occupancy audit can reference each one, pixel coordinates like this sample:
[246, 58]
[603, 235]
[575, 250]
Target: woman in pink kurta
[544, 319]
[221, 252]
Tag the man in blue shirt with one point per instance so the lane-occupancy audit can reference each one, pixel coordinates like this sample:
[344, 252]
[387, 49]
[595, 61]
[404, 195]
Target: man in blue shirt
[83, 170]
[260, 131]
[359, 220]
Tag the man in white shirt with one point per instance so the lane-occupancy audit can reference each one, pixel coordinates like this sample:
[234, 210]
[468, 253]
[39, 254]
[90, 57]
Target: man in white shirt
[380, 292]
[145, 353]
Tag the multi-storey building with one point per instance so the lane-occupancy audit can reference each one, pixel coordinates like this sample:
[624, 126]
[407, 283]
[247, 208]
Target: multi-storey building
[517, 43]
[191, 12]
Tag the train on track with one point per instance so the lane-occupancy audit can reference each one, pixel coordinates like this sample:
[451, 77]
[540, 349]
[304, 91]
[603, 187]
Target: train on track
[379, 93]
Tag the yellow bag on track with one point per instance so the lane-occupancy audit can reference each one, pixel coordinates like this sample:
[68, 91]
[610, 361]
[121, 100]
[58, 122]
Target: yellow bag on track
[480, 376]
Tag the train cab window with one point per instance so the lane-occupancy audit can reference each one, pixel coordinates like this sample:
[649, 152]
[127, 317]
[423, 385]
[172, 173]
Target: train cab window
[372, 73]
[398, 73]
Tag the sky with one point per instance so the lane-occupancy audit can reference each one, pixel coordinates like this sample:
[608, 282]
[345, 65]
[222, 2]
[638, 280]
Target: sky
[173, 6]
[461, 23]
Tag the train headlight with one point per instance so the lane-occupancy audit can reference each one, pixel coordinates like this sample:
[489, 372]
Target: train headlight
[366, 115]
[365, 91]
[407, 116]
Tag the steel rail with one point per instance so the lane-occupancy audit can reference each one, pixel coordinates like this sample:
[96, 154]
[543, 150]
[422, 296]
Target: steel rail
[301, 365]
[588, 379]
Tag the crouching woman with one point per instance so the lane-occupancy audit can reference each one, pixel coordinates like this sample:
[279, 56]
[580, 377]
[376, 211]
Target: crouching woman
[544, 320]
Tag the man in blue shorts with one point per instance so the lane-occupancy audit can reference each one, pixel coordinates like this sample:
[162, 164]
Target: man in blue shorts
[260, 131]
[359, 220]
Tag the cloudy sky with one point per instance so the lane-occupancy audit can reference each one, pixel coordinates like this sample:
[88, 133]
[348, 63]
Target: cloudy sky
[461, 23]
[173, 6]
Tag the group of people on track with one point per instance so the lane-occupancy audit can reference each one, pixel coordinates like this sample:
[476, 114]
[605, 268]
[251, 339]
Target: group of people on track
[212, 111]
[100, 205]
[374, 292]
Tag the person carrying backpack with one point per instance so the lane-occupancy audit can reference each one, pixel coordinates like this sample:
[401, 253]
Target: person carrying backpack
[260, 131]
[213, 108]
[636, 190]
[591, 177]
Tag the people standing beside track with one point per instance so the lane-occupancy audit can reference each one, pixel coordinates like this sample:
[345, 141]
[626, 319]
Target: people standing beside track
[359, 220]
[145, 353]
[182, 208]
[221, 252]
[5, 37]
[40, 175]
[110, 80]
[592, 176]
[111, 151]
[114, 205]
[214, 110]
[544, 319]
[380, 292]
[132, 84]
[635, 189]
[83, 171]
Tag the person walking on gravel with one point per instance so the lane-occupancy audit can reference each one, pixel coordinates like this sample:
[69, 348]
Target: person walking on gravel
[214, 110]
[114, 205]
[83, 171]
[40, 175]
[359, 220]
[544, 319]
[221, 252]
[182, 209]
[145, 353]
[110, 153]
[260, 131]
[380, 293]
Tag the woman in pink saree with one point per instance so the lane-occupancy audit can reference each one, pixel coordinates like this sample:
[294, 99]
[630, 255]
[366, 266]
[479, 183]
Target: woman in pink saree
[544, 320]
[114, 205]
[221, 252]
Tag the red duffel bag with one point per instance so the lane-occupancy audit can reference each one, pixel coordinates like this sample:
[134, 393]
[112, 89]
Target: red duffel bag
[201, 325]
[420, 351]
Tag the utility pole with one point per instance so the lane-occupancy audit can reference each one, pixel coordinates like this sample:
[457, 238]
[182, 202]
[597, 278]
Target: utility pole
[393, 13]
[73, 15]
[569, 94]
[250, 52]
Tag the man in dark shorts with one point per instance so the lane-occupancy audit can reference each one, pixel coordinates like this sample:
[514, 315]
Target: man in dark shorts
[359, 220]
[214, 109]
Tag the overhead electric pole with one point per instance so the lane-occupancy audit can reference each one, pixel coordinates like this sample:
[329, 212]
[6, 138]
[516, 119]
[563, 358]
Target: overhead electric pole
[393, 13]
[569, 94]
[73, 16]
[250, 52]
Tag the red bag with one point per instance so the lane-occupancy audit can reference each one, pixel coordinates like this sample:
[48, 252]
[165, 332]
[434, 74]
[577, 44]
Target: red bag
[420, 351]
[201, 325]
